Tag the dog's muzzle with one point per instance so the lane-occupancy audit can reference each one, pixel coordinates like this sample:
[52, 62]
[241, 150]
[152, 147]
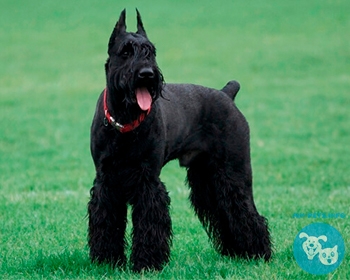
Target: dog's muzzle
[146, 73]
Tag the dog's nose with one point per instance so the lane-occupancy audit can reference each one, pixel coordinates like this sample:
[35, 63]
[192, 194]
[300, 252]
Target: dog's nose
[146, 73]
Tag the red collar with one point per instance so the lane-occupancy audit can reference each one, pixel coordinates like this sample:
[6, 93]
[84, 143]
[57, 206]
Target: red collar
[126, 127]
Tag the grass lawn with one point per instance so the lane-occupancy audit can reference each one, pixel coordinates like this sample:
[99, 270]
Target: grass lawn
[292, 59]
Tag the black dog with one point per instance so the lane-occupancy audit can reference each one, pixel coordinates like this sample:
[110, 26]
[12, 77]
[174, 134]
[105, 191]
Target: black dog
[140, 124]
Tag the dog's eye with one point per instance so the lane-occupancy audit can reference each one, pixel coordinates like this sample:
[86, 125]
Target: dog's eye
[126, 52]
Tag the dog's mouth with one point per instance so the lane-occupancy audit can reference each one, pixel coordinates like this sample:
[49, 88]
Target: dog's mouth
[311, 251]
[144, 98]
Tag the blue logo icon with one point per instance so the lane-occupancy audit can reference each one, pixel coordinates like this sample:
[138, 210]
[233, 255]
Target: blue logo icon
[319, 248]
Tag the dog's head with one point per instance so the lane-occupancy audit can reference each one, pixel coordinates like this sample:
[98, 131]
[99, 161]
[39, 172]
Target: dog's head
[132, 72]
[311, 245]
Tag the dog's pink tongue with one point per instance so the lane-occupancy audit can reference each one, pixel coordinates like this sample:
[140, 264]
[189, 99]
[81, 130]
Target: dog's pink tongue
[144, 99]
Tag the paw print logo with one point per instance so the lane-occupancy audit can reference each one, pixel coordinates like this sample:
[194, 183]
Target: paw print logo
[319, 248]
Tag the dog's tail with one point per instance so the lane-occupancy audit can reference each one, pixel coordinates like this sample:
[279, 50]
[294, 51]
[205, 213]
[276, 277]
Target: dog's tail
[231, 89]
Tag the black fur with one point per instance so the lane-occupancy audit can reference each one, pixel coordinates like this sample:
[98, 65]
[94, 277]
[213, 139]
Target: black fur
[201, 127]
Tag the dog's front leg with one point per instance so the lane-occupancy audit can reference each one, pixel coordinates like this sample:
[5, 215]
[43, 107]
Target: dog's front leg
[152, 231]
[107, 222]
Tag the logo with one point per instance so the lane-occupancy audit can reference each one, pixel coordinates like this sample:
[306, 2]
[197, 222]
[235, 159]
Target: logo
[319, 248]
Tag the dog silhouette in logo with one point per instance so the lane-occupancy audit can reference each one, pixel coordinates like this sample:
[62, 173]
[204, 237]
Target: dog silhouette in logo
[311, 245]
[329, 256]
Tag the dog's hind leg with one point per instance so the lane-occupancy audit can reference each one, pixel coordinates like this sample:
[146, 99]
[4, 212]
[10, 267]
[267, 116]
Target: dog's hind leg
[107, 223]
[222, 198]
[152, 231]
[243, 231]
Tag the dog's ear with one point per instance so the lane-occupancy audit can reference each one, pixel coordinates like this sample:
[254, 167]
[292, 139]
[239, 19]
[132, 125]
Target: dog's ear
[120, 27]
[140, 28]
[303, 234]
[322, 237]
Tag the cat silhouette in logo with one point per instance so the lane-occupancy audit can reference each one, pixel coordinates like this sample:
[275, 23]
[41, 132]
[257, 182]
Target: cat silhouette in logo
[329, 256]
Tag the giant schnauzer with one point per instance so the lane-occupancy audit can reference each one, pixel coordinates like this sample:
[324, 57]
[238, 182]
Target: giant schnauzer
[140, 124]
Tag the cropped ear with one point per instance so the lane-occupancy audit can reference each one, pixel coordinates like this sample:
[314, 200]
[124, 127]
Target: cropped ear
[140, 28]
[119, 28]
[120, 25]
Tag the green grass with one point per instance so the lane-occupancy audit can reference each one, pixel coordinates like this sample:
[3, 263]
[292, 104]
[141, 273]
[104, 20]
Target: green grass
[292, 59]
